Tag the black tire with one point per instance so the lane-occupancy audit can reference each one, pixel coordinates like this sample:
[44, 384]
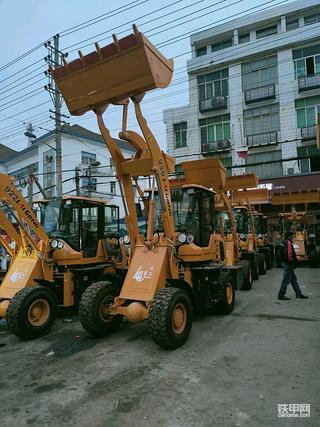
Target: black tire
[225, 303]
[314, 259]
[268, 259]
[255, 268]
[262, 264]
[247, 275]
[92, 302]
[161, 318]
[31, 312]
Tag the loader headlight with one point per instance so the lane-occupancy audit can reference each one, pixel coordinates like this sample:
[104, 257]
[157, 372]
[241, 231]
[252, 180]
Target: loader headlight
[259, 236]
[242, 236]
[182, 237]
[60, 244]
[126, 239]
[54, 244]
[190, 238]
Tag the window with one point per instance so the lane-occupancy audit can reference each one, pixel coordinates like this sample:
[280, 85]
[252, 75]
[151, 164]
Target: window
[213, 84]
[227, 163]
[112, 187]
[88, 184]
[311, 19]
[215, 129]
[307, 61]
[261, 120]
[201, 51]
[221, 45]
[312, 164]
[292, 24]
[244, 38]
[180, 134]
[265, 32]
[88, 158]
[111, 163]
[261, 72]
[307, 110]
[268, 170]
[178, 171]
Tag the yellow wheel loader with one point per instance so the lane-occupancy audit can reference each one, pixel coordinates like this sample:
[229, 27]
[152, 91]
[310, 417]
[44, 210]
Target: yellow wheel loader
[172, 268]
[242, 200]
[56, 259]
[301, 223]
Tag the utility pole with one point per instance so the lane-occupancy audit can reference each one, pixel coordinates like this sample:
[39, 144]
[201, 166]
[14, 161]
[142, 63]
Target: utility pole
[55, 59]
[30, 185]
[77, 179]
[57, 108]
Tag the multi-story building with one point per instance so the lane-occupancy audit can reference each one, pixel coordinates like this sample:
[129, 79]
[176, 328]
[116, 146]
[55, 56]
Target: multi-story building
[87, 167]
[254, 94]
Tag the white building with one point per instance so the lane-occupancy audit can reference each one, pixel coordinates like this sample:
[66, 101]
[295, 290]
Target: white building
[82, 150]
[254, 83]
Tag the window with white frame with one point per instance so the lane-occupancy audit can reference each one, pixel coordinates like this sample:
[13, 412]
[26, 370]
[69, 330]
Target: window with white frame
[213, 84]
[88, 158]
[307, 61]
[312, 19]
[215, 129]
[112, 187]
[244, 38]
[180, 134]
[307, 110]
[201, 51]
[267, 31]
[260, 72]
[292, 24]
[309, 158]
[221, 45]
[261, 120]
[88, 184]
[265, 165]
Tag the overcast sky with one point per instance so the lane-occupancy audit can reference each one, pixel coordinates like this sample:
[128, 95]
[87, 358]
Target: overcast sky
[26, 24]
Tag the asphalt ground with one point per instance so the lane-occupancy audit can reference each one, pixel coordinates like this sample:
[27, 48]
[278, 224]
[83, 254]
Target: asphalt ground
[234, 370]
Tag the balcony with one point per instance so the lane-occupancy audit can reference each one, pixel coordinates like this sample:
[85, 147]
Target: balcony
[308, 133]
[212, 104]
[262, 139]
[309, 82]
[260, 94]
[212, 147]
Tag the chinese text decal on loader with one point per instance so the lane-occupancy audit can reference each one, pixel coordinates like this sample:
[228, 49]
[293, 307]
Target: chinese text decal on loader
[55, 261]
[170, 272]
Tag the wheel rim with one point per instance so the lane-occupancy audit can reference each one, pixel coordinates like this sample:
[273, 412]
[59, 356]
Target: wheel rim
[104, 308]
[179, 318]
[39, 312]
[229, 293]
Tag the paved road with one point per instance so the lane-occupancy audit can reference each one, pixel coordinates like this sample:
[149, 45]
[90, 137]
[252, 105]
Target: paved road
[233, 371]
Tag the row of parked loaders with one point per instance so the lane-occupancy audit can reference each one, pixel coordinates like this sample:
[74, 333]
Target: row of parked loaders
[199, 243]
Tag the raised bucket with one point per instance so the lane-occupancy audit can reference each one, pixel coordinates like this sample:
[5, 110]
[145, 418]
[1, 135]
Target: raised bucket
[127, 67]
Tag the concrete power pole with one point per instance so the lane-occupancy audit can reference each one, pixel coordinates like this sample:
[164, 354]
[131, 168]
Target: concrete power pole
[57, 107]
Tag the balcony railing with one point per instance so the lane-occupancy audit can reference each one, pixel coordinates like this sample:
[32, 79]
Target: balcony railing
[262, 139]
[210, 147]
[309, 132]
[260, 93]
[214, 103]
[309, 82]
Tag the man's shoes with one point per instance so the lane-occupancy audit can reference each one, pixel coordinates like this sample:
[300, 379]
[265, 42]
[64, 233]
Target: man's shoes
[284, 298]
[302, 296]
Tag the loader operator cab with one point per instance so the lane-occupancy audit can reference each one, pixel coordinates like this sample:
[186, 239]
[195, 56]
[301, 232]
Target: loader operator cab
[194, 214]
[80, 223]
[243, 226]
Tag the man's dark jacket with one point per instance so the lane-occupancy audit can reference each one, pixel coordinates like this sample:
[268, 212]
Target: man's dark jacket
[284, 254]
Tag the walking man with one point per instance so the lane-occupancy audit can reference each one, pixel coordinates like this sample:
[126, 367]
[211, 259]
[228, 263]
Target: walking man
[289, 263]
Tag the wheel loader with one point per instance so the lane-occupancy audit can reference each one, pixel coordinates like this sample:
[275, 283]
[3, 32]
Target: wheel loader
[173, 267]
[242, 200]
[300, 222]
[56, 259]
[264, 242]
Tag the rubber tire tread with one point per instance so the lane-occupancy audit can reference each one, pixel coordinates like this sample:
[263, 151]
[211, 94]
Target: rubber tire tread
[88, 310]
[222, 307]
[160, 318]
[246, 265]
[16, 314]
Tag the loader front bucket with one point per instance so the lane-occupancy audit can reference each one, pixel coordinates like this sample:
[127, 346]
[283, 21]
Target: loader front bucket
[128, 67]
